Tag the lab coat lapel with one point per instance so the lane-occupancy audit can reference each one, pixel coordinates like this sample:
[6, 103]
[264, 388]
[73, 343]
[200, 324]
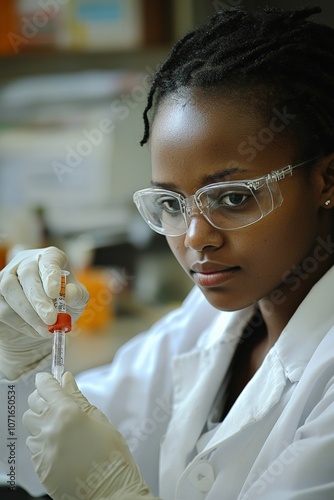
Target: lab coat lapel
[197, 376]
[261, 394]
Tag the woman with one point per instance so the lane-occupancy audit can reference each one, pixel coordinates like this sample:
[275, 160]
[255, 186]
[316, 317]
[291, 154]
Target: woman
[232, 395]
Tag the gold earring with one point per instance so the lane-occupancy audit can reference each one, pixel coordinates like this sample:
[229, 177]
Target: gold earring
[327, 203]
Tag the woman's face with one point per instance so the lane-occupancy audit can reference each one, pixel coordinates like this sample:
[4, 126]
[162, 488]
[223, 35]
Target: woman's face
[196, 141]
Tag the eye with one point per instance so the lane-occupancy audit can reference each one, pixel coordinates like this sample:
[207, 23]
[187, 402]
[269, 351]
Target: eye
[233, 199]
[169, 205]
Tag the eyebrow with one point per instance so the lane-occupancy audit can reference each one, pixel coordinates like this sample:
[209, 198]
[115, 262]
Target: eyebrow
[206, 179]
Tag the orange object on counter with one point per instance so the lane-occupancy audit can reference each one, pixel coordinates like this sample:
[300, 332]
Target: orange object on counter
[99, 311]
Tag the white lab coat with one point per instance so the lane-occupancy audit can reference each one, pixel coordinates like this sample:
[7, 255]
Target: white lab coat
[276, 443]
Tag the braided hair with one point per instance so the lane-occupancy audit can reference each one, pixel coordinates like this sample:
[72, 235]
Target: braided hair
[271, 57]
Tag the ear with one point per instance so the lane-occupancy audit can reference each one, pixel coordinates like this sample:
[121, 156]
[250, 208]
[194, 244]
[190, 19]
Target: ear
[326, 170]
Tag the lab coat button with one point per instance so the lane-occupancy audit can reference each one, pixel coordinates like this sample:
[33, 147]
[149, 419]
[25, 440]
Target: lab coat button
[202, 476]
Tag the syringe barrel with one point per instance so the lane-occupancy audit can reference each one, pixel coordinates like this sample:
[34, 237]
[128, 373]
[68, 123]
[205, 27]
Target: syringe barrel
[58, 354]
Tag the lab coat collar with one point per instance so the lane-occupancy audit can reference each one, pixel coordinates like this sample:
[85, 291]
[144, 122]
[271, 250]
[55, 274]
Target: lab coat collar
[307, 327]
[259, 396]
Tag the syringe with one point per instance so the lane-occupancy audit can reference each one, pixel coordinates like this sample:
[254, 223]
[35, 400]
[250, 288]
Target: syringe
[59, 329]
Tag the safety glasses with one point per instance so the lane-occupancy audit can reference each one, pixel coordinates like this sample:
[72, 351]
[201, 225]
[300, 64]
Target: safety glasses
[225, 205]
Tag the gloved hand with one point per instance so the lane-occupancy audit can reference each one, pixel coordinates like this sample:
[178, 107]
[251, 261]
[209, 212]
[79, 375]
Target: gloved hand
[76, 451]
[27, 286]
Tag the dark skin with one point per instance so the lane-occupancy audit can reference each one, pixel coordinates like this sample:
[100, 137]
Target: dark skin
[196, 141]
[247, 359]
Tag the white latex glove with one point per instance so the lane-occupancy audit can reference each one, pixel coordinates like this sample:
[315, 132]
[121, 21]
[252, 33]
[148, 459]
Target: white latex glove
[76, 451]
[27, 286]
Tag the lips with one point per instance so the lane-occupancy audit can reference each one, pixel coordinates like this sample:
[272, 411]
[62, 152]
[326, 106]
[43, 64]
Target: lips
[210, 274]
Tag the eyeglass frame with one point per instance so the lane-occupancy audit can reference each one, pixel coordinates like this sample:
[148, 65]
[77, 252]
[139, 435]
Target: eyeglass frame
[251, 184]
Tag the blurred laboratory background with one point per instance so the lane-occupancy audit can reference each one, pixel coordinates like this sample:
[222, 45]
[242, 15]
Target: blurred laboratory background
[73, 84]
[74, 76]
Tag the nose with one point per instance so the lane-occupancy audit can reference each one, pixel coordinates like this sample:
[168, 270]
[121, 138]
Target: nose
[200, 233]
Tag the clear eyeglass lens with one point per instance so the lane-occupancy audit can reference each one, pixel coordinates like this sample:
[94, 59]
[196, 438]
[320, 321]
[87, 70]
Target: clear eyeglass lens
[166, 213]
[227, 206]
[230, 206]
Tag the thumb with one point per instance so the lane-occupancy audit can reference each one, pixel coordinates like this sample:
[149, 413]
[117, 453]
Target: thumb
[76, 296]
[71, 388]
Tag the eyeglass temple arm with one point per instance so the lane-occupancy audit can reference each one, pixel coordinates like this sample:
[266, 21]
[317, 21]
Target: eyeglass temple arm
[278, 175]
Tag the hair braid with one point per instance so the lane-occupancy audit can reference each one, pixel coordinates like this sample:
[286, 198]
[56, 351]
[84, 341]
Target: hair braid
[289, 57]
[155, 82]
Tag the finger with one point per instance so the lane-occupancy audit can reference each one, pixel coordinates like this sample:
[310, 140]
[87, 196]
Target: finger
[77, 297]
[71, 388]
[50, 389]
[31, 422]
[16, 323]
[69, 384]
[18, 312]
[33, 445]
[36, 403]
[33, 289]
[51, 262]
